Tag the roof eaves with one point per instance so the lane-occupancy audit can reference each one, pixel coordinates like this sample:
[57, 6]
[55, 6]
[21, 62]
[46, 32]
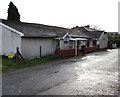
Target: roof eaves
[101, 35]
[12, 29]
[65, 35]
[39, 36]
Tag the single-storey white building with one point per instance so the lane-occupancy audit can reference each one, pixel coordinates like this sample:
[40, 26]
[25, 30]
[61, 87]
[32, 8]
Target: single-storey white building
[96, 39]
[10, 39]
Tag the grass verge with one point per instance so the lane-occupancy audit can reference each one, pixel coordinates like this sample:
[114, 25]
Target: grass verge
[10, 64]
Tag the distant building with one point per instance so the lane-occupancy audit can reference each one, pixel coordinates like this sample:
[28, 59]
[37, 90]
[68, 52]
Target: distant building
[96, 39]
[112, 33]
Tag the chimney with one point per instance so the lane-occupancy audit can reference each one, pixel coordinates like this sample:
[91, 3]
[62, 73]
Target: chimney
[88, 26]
[77, 27]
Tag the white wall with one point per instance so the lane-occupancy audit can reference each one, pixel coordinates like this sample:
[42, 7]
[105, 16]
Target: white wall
[103, 41]
[10, 41]
[91, 43]
[0, 40]
[71, 44]
[63, 45]
[98, 42]
[31, 47]
[82, 43]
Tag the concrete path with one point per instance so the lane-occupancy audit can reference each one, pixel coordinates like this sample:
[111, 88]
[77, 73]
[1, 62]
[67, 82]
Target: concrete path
[94, 74]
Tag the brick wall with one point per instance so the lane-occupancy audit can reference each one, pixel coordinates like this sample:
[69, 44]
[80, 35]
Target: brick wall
[71, 52]
[90, 49]
[66, 53]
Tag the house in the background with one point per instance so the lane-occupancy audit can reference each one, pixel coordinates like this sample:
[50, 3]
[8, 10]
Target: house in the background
[10, 39]
[67, 46]
[95, 39]
[112, 33]
[82, 39]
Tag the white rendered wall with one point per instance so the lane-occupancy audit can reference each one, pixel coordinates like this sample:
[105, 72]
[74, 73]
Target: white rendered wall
[103, 41]
[31, 47]
[10, 41]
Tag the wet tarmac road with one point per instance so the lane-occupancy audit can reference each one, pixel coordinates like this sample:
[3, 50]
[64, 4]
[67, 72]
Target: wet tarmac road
[94, 74]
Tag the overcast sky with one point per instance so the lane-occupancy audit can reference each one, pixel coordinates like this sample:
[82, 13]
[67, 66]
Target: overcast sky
[67, 13]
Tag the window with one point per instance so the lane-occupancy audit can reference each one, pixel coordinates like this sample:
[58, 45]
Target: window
[94, 42]
[65, 42]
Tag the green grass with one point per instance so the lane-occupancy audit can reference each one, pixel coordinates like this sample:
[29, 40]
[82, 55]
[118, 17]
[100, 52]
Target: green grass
[10, 64]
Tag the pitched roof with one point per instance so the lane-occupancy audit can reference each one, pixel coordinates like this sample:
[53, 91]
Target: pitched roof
[86, 32]
[78, 33]
[89, 29]
[36, 30]
[18, 32]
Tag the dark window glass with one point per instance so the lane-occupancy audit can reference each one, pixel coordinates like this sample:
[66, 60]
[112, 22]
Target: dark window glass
[94, 43]
[87, 43]
[65, 42]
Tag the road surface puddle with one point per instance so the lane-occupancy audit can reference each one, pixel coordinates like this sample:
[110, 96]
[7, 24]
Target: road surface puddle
[90, 57]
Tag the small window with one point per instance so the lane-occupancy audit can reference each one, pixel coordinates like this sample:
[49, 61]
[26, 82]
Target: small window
[65, 42]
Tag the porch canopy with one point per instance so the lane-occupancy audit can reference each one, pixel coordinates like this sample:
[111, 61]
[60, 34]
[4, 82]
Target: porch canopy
[74, 39]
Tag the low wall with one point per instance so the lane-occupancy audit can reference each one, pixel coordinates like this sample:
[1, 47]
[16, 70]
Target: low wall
[66, 53]
[90, 49]
[71, 52]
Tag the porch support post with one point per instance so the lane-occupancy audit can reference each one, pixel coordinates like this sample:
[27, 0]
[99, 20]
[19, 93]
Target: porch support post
[75, 47]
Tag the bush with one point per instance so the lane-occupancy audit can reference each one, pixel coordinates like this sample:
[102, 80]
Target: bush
[115, 39]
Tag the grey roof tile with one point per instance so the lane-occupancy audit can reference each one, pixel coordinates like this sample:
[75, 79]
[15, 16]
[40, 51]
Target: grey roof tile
[86, 32]
[36, 30]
